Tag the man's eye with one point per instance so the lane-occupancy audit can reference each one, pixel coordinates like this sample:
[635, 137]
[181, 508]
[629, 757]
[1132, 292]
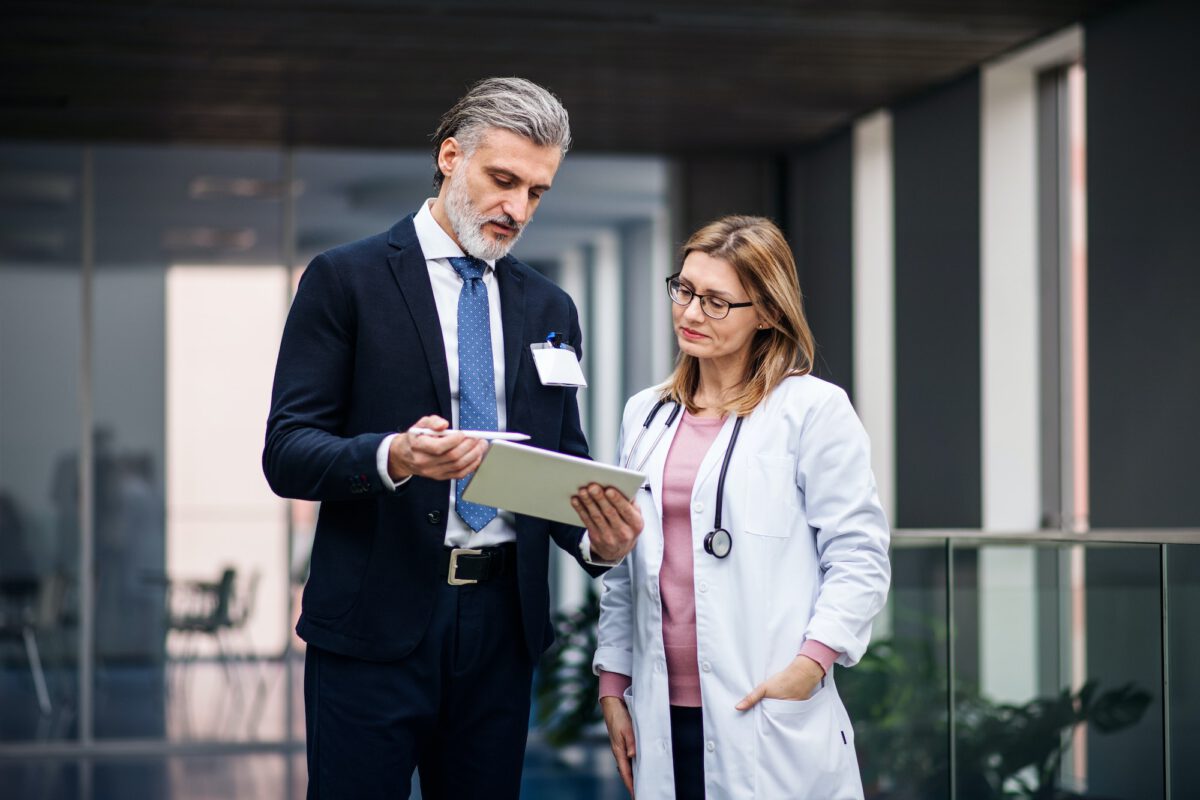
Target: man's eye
[504, 182]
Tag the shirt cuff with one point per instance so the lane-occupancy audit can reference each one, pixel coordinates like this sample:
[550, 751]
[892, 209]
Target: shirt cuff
[585, 550]
[613, 684]
[381, 465]
[820, 653]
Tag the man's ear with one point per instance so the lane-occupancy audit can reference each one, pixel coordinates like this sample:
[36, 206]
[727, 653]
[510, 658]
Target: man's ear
[450, 155]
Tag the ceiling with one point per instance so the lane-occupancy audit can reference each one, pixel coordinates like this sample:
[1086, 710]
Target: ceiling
[161, 204]
[653, 76]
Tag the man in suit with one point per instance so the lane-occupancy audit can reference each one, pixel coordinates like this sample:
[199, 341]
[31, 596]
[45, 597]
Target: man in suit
[424, 614]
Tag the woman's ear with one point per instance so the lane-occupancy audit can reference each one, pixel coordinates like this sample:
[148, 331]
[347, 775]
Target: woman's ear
[768, 319]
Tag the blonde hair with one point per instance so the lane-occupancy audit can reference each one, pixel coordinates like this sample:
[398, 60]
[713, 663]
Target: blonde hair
[762, 259]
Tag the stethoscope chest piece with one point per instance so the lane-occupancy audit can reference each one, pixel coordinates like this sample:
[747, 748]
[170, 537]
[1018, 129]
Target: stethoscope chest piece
[718, 542]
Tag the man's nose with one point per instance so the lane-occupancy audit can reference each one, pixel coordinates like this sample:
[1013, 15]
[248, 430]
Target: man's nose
[516, 205]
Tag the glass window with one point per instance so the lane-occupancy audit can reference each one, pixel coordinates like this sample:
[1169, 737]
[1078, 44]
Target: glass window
[41, 339]
[191, 558]
[1183, 649]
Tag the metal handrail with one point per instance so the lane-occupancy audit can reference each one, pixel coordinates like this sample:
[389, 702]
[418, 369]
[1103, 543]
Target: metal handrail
[1146, 536]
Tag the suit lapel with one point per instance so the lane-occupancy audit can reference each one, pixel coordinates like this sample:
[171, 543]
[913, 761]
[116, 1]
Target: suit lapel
[511, 281]
[412, 276]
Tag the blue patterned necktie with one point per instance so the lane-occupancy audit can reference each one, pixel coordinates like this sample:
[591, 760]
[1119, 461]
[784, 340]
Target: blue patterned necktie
[476, 375]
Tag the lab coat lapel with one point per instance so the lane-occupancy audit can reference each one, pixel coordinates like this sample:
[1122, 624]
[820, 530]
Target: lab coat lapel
[657, 461]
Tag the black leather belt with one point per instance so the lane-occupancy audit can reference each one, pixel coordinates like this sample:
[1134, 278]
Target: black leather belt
[463, 566]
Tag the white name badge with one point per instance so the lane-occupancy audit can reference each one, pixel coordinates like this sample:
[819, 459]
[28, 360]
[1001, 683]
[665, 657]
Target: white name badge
[557, 366]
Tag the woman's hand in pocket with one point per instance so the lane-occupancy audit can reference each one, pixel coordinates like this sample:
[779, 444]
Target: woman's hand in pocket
[620, 736]
[795, 682]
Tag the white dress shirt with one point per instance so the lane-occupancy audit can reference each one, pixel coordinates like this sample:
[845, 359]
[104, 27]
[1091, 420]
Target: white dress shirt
[439, 248]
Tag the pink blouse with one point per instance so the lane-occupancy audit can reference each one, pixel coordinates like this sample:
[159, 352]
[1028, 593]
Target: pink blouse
[676, 578]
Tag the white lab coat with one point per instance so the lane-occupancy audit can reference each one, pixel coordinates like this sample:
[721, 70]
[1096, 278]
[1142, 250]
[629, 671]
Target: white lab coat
[809, 560]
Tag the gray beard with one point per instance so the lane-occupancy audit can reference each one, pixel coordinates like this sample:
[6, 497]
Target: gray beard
[468, 223]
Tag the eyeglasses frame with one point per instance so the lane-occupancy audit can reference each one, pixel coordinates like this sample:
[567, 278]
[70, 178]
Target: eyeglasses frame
[703, 307]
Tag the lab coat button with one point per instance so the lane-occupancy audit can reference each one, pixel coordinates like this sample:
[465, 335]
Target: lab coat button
[703, 587]
[698, 507]
[711, 745]
[706, 666]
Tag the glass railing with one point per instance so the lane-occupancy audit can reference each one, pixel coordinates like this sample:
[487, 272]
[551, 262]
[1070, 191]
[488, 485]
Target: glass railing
[1005, 666]
[1033, 666]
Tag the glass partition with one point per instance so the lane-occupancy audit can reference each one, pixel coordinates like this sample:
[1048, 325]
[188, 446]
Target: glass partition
[1182, 600]
[1042, 678]
[41, 348]
[897, 696]
[191, 559]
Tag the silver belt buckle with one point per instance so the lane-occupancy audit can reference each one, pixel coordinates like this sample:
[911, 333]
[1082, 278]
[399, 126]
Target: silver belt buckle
[451, 577]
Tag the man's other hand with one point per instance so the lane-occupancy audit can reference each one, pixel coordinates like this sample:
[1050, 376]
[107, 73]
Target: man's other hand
[612, 521]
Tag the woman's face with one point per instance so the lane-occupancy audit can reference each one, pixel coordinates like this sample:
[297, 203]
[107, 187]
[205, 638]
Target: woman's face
[700, 335]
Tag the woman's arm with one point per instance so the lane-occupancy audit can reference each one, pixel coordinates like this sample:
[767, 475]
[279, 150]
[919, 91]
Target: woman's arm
[834, 473]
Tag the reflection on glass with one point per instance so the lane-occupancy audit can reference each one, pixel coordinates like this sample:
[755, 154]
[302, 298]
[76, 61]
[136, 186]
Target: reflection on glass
[1056, 674]
[40, 349]
[897, 695]
[190, 567]
[1125, 754]
[1026, 725]
[1183, 647]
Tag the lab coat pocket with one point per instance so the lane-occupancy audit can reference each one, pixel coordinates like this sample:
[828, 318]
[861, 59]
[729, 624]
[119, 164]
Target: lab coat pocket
[772, 499]
[788, 708]
[801, 753]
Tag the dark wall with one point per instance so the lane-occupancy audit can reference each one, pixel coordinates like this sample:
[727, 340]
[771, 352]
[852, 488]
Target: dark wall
[637, 307]
[936, 163]
[1143, 122]
[713, 186]
[819, 221]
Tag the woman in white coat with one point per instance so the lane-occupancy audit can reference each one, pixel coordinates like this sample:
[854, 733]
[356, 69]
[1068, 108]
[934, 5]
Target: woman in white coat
[764, 554]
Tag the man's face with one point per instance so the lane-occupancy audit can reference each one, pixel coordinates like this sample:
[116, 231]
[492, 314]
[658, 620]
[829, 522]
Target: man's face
[489, 195]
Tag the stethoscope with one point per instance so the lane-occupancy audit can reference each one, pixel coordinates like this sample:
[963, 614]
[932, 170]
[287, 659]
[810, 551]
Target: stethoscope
[718, 542]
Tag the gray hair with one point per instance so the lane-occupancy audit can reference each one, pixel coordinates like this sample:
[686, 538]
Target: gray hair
[513, 104]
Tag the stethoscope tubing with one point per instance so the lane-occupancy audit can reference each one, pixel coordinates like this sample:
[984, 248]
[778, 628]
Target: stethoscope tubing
[723, 550]
[645, 427]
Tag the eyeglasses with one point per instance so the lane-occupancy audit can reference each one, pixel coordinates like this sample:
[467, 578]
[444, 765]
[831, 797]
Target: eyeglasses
[713, 307]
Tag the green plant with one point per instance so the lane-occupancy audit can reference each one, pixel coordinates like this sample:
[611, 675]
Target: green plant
[1018, 750]
[565, 690]
[897, 697]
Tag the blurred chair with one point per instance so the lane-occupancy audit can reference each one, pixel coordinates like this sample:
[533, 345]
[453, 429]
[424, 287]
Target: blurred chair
[27, 606]
[217, 609]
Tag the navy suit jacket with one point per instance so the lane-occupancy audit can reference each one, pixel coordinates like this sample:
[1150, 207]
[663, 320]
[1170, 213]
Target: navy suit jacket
[361, 357]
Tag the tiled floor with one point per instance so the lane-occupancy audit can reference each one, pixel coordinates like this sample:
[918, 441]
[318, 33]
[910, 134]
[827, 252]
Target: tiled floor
[205, 702]
[248, 777]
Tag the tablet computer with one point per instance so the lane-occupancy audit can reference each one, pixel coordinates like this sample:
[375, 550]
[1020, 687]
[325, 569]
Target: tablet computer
[540, 483]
